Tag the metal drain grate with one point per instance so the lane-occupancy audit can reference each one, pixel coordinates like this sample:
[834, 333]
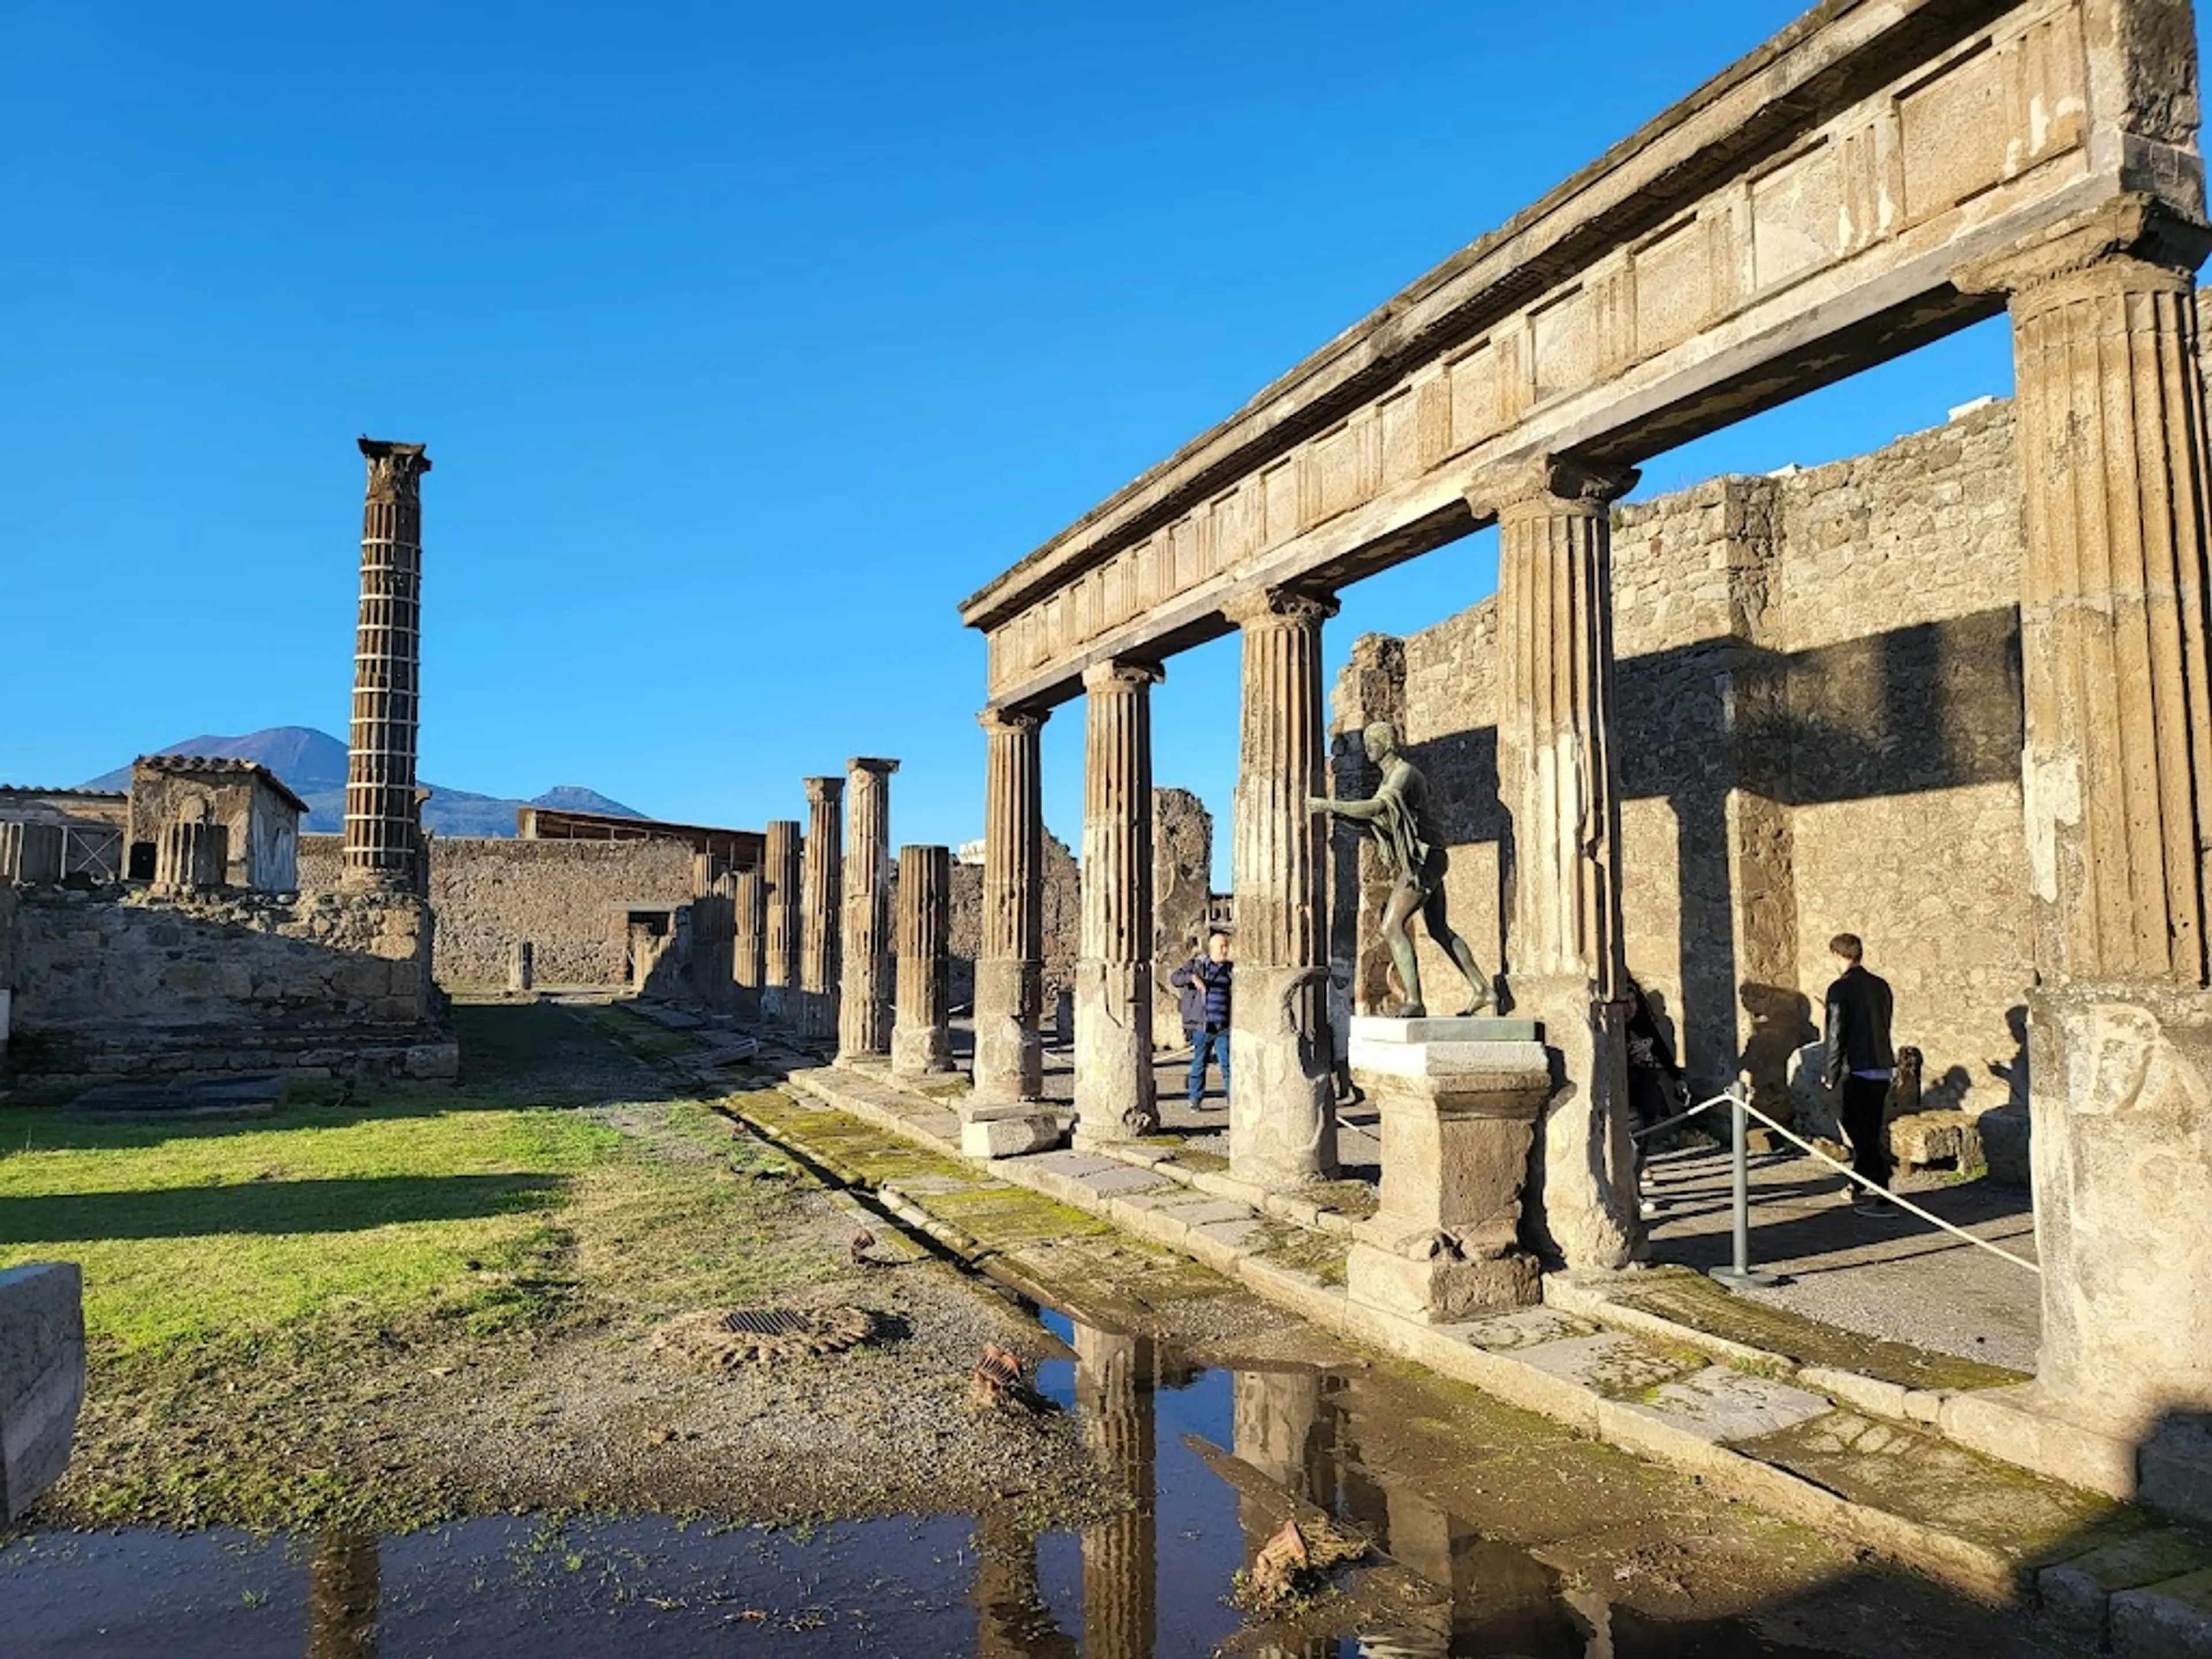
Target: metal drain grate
[766, 1321]
[723, 1339]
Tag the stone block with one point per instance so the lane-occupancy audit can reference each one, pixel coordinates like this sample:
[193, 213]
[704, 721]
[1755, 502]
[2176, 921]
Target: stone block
[1425, 1275]
[2170, 1620]
[2076, 1594]
[41, 1378]
[434, 1062]
[1374, 1029]
[1922, 1140]
[2005, 1150]
[1721, 1405]
[1013, 1133]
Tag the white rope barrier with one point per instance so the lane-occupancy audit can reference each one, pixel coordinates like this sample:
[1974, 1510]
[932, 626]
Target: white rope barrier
[1669, 1123]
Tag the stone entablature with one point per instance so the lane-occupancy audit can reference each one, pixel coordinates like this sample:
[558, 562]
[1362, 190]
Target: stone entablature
[1803, 212]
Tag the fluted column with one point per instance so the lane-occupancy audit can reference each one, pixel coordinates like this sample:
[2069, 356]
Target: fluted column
[1114, 1087]
[781, 885]
[1560, 781]
[387, 667]
[863, 1018]
[1120, 1575]
[922, 1042]
[1282, 1114]
[819, 885]
[748, 949]
[1010, 966]
[2115, 769]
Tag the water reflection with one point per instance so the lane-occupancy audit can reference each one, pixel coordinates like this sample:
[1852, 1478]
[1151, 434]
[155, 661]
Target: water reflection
[341, 1593]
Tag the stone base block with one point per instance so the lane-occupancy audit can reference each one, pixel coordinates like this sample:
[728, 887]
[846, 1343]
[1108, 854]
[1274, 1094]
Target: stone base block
[434, 1062]
[921, 1053]
[41, 1378]
[1431, 1277]
[1015, 1132]
[1372, 1028]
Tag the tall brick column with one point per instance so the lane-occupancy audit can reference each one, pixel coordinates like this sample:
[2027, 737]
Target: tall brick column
[785, 925]
[1561, 783]
[864, 1017]
[387, 672]
[1113, 1091]
[921, 1040]
[2115, 772]
[1282, 1113]
[819, 964]
[1010, 966]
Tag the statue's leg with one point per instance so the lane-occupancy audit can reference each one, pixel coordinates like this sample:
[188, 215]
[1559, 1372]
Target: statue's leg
[1405, 899]
[1435, 914]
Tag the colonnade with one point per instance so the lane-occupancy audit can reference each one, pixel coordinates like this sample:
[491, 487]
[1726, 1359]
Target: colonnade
[1561, 784]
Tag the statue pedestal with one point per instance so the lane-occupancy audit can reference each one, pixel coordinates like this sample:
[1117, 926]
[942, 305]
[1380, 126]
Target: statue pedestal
[1460, 1101]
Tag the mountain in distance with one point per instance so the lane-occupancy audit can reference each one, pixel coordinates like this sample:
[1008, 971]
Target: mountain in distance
[313, 765]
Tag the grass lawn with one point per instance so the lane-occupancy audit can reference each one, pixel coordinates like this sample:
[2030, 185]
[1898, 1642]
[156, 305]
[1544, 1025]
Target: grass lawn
[256, 1291]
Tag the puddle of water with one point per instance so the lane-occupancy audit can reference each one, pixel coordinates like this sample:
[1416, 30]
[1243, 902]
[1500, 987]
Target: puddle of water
[1208, 1459]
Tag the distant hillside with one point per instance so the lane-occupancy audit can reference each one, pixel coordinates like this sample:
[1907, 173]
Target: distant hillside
[313, 765]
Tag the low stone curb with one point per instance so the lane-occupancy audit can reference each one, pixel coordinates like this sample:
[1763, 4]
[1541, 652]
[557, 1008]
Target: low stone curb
[1208, 1217]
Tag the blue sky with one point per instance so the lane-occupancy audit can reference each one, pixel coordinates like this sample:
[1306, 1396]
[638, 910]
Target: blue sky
[745, 342]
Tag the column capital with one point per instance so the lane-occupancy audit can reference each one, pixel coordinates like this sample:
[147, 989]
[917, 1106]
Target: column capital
[393, 468]
[1262, 605]
[1552, 483]
[2132, 236]
[995, 720]
[824, 791]
[1116, 674]
[875, 763]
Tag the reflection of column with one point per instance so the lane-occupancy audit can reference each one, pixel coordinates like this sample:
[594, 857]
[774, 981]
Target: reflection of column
[387, 672]
[1282, 1117]
[1276, 1427]
[1561, 782]
[1114, 1084]
[747, 946]
[1010, 966]
[1114, 1405]
[342, 1596]
[818, 964]
[1011, 1620]
[921, 1043]
[781, 881]
[2115, 769]
[864, 1017]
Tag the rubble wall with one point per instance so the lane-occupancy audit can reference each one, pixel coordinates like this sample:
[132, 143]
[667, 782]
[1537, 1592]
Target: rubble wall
[567, 897]
[121, 983]
[1818, 697]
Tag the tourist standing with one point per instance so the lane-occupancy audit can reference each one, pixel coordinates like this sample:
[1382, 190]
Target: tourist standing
[1656, 1089]
[1860, 1062]
[1204, 982]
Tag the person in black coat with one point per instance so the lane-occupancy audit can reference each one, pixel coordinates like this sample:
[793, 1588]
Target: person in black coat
[1656, 1089]
[1860, 1062]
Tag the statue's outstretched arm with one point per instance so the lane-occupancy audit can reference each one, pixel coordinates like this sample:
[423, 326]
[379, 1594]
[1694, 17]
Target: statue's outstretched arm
[1362, 811]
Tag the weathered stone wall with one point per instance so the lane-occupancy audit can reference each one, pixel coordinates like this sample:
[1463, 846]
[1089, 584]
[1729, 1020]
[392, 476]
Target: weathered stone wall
[567, 897]
[118, 984]
[1818, 709]
[1063, 919]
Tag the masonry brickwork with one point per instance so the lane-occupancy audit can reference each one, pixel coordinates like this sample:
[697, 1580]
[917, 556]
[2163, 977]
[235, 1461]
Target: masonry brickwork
[569, 898]
[1818, 708]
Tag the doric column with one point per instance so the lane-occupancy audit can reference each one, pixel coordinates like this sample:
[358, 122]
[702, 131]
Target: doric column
[921, 1043]
[1559, 778]
[818, 962]
[747, 948]
[2115, 768]
[1010, 966]
[864, 1018]
[1114, 1408]
[1113, 1092]
[781, 888]
[387, 667]
[1282, 1114]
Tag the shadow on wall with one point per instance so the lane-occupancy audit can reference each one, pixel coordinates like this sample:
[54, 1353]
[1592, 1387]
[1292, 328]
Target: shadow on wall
[1734, 737]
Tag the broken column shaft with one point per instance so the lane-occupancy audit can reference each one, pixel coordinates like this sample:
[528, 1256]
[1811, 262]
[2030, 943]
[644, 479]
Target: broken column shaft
[748, 943]
[922, 1042]
[818, 962]
[1010, 966]
[864, 1018]
[780, 882]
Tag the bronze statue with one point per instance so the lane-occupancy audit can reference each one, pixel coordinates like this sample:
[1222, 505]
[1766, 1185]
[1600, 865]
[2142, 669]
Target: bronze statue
[1411, 846]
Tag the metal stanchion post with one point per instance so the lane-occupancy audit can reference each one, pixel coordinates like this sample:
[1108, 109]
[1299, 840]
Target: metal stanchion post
[1739, 1273]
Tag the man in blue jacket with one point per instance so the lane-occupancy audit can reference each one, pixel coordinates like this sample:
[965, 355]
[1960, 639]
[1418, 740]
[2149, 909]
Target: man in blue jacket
[1204, 982]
